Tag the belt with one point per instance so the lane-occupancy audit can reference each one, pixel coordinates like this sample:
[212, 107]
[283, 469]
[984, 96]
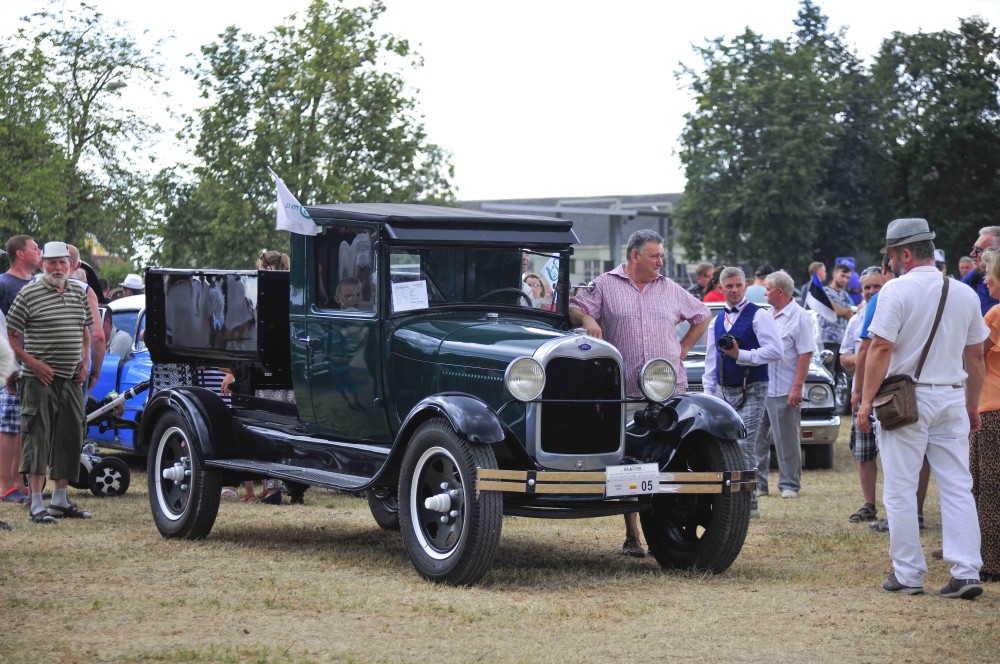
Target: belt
[952, 386]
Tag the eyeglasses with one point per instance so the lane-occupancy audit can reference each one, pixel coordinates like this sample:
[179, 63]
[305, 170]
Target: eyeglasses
[874, 269]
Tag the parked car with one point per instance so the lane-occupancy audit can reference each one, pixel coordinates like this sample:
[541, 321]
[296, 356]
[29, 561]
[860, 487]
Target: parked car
[401, 359]
[120, 373]
[820, 421]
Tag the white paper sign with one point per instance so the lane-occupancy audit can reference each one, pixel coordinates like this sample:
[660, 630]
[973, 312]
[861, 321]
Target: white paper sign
[632, 480]
[409, 295]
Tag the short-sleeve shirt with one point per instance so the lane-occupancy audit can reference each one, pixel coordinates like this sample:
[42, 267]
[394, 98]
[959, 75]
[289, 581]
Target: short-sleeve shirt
[641, 324]
[10, 286]
[797, 338]
[989, 398]
[52, 324]
[906, 309]
[832, 332]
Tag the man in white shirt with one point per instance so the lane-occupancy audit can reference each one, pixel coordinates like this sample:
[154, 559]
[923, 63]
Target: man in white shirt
[947, 395]
[786, 377]
[747, 338]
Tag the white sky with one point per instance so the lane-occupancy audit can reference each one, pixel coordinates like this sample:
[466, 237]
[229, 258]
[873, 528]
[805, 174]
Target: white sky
[543, 97]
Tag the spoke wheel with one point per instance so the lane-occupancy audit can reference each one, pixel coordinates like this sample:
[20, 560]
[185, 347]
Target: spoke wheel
[110, 477]
[703, 532]
[183, 496]
[450, 533]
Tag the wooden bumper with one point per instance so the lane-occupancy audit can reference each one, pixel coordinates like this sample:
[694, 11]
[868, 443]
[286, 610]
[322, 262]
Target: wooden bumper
[529, 481]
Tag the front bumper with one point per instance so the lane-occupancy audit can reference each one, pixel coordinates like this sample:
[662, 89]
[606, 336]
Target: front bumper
[594, 483]
[819, 431]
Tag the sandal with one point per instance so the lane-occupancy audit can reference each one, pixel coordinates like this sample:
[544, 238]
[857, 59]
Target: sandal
[13, 495]
[868, 512]
[71, 511]
[249, 498]
[41, 516]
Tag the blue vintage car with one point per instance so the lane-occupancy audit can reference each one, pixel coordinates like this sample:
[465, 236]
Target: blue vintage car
[121, 372]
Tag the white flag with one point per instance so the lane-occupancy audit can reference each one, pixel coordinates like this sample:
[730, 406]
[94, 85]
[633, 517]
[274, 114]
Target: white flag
[551, 270]
[292, 216]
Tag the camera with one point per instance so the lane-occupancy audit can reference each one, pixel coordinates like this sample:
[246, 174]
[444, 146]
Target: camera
[726, 341]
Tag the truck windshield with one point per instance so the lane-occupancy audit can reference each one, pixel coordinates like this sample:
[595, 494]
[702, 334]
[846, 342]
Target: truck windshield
[422, 278]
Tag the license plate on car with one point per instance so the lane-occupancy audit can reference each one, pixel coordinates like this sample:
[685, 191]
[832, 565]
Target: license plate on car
[632, 480]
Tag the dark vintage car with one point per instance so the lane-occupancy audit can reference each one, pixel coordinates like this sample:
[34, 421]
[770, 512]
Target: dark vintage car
[820, 421]
[402, 360]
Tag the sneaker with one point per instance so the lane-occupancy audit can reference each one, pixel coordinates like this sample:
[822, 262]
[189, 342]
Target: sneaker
[892, 585]
[755, 513]
[789, 493]
[962, 589]
[633, 547]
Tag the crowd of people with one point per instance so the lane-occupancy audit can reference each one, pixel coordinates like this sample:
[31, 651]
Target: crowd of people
[757, 359]
[53, 342]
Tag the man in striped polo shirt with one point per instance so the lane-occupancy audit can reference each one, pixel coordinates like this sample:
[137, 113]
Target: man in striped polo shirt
[48, 324]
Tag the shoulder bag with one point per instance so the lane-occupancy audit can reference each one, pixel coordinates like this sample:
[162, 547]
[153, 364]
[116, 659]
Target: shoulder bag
[895, 402]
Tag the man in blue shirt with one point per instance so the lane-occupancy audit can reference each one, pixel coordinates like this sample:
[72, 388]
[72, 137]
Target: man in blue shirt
[989, 238]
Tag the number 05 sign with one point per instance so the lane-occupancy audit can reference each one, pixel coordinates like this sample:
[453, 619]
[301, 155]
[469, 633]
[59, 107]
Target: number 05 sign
[632, 480]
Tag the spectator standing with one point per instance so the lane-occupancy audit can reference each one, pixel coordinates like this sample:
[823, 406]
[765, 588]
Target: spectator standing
[984, 446]
[864, 446]
[756, 292]
[48, 326]
[965, 265]
[132, 285]
[713, 290]
[947, 413]
[25, 257]
[989, 238]
[637, 309]
[786, 377]
[737, 371]
[702, 275]
[831, 333]
[97, 339]
[119, 341]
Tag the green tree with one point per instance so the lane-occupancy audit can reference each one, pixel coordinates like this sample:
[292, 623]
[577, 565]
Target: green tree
[315, 101]
[71, 65]
[939, 101]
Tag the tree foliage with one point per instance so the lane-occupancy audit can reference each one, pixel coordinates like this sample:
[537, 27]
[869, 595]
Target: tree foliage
[76, 167]
[316, 101]
[796, 151]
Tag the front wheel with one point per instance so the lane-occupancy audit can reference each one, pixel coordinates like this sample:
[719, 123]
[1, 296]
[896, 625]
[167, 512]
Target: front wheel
[183, 496]
[699, 531]
[110, 478]
[451, 534]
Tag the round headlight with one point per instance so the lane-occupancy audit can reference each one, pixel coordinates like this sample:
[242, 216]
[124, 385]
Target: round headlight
[525, 379]
[817, 394]
[658, 378]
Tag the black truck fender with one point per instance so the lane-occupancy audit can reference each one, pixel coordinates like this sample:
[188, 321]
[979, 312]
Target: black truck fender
[204, 411]
[683, 418]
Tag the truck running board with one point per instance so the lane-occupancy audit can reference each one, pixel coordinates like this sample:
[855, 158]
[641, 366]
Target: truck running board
[280, 471]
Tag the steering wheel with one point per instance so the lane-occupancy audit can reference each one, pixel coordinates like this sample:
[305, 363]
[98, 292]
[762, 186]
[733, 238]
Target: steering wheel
[510, 289]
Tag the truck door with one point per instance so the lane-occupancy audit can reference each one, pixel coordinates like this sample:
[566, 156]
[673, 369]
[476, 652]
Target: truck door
[342, 329]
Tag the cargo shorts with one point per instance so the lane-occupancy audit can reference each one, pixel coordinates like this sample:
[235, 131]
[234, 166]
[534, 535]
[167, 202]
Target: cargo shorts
[51, 428]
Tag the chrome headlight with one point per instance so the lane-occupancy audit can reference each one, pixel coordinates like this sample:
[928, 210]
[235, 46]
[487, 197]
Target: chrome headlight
[658, 379]
[817, 394]
[524, 378]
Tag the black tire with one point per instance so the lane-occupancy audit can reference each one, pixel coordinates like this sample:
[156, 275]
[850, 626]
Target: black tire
[842, 393]
[384, 507]
[700, 531]
[460, 550]
[183, 506]
[817, 456]
[109, 478]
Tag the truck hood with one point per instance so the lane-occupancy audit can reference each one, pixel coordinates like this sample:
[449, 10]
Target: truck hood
[471, 340]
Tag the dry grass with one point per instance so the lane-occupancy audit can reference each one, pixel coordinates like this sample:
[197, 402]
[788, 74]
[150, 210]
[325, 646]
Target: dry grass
[321, 582]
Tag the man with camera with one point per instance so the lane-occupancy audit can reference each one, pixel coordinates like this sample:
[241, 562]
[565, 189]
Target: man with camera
[741, 342]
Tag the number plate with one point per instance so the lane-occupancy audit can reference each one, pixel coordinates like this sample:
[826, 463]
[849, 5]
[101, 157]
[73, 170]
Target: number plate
[632, 480]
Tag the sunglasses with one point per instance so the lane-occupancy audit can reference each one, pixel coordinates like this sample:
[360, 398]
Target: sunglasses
[874, 269]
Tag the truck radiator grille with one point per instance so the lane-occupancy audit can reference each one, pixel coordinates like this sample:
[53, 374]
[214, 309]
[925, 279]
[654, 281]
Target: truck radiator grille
[581, 428]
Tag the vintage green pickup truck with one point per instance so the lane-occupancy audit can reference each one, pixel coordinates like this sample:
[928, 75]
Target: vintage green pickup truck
[402, 359]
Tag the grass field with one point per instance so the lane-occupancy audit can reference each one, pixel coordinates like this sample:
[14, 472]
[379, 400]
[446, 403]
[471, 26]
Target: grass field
[321, 582]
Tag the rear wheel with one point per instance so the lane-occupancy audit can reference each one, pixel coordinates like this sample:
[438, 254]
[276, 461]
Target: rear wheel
[384, 504]
[183, 496]
[451, 534]
[699, 531]
[110, 477]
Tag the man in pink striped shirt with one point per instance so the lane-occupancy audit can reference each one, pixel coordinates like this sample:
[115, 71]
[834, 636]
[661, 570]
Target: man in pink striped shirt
[637, 309]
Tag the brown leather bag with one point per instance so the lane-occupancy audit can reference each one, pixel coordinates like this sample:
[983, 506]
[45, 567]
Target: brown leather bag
[895, 403]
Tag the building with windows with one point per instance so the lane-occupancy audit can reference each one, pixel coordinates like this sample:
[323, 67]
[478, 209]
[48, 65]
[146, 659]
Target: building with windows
[603, 224]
